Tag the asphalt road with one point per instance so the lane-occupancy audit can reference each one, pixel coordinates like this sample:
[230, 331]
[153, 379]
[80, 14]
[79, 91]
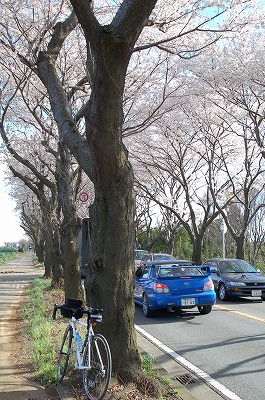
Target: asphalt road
[228, 344]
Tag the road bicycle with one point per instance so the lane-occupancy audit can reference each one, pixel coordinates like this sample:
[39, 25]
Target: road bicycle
[92, 355]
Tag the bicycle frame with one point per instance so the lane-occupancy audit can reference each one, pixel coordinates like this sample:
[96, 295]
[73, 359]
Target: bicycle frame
[86, 342]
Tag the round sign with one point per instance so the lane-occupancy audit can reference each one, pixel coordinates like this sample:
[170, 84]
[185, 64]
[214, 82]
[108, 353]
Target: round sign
[83, 197]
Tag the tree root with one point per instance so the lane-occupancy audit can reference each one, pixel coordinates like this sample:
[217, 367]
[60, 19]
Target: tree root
[149, 386]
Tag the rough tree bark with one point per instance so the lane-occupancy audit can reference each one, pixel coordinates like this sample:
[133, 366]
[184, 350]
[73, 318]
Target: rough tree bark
[70, 225]
[104, 158]
[52, 257]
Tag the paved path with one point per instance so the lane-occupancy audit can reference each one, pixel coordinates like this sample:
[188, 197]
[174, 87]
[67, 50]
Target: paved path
[15, 277]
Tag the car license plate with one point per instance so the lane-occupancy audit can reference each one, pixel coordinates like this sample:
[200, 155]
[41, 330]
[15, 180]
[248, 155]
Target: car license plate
[255, 293]
[188, 302]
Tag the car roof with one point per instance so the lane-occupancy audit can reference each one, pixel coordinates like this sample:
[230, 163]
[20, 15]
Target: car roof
[222, 259]
[159, 254]
[175, 261]
[162, 254]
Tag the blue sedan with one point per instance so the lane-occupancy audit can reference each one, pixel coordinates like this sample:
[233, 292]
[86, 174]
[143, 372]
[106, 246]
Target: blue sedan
[174, 285]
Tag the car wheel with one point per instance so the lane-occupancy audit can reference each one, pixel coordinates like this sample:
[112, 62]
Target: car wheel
[222, 292]
[146, 309]
[263, 298]
[204, 309]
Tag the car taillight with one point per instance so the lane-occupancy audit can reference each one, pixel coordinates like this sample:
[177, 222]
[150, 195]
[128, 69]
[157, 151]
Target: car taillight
[161, 288]
[208, 286]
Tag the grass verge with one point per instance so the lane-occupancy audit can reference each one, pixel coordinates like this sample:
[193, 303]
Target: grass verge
[43, 337]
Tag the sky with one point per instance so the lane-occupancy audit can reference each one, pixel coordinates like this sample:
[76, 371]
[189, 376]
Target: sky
[10, 230]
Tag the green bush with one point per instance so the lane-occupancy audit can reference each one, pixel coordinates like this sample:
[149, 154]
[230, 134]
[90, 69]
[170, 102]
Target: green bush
[7, 253]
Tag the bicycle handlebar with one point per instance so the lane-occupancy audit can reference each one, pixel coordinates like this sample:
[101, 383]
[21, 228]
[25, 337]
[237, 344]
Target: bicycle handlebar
[91, 312]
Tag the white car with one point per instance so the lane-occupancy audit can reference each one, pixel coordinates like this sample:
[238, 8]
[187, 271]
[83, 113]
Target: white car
[138, 255]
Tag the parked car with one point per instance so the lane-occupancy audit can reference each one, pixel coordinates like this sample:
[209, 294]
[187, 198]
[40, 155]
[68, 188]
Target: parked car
[174, 285]
[155, 256]
[233, 277]
[138, 255]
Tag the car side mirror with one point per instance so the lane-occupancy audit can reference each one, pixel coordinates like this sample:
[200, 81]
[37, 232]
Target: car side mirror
[214, 271]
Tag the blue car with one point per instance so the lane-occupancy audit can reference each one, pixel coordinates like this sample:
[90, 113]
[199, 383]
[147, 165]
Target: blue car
[174, 285]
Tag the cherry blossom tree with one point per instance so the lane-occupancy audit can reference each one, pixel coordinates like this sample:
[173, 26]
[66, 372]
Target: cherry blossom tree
[36, 35]
[237, 92]
[47, 167]
[183, 174]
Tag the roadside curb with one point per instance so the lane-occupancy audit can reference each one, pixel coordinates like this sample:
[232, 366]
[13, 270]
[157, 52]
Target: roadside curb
[161, 365]
[189, 386]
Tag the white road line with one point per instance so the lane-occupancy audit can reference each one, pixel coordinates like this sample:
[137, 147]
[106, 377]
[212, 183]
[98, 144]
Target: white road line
[211, 382]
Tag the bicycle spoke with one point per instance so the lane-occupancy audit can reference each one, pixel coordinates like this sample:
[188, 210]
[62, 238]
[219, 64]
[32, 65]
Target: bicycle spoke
[96, 378]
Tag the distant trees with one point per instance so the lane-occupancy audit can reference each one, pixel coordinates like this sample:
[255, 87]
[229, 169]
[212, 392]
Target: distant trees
[205, 158]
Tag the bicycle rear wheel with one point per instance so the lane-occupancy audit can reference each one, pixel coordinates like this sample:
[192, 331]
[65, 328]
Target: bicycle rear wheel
[64, 353]
[96, 379]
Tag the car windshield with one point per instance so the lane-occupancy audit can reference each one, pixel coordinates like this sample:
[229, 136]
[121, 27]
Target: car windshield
[236, 266]
[173, 270]
[139, 254]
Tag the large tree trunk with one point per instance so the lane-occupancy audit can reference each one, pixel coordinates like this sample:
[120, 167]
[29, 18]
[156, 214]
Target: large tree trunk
[70, 225]
[48, 258]
[104, 158]
[52, 260]
[70, 259]
[39, 250]
[197, 250]
[111, 275]
[240, 251]
[85, 242]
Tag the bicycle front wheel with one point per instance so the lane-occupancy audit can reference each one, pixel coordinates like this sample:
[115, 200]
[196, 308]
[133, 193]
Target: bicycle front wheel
[96, 376]
[64, 353]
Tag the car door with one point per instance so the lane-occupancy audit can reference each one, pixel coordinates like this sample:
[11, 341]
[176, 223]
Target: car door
[141, 284]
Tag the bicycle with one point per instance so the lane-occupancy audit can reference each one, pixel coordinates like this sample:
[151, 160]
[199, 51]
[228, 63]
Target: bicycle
[92, 357]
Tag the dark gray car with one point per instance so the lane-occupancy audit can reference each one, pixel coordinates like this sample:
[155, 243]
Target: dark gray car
[233, 277]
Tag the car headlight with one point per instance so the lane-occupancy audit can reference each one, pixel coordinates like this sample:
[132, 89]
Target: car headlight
[232, 283]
